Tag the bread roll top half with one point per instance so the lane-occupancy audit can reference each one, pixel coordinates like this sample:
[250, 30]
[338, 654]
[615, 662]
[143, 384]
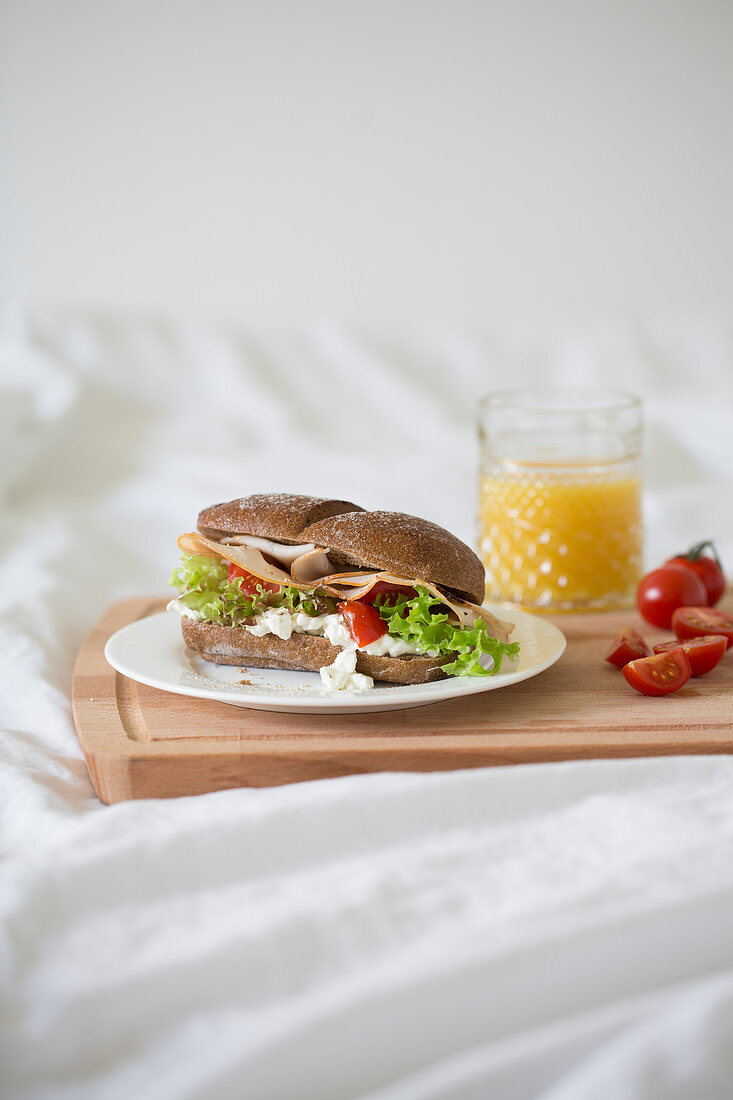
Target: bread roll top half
[402, 544]
[393, 542]
[281, 516]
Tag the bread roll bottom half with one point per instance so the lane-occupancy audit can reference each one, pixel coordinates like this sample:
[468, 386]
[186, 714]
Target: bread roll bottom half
[227, 645]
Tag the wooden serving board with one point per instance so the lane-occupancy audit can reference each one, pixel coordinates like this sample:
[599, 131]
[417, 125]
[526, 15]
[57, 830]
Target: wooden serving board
[140, 742]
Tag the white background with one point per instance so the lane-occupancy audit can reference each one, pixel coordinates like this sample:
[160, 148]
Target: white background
[386, 161]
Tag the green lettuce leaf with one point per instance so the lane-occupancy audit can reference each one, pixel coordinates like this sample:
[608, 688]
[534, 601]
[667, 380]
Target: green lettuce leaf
[200, 572]
[200, 581]
[419, 622]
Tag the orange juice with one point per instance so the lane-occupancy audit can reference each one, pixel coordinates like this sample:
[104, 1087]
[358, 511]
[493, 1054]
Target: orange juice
[561, 537]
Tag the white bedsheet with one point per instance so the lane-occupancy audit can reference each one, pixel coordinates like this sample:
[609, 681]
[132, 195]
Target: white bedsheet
[557, 931]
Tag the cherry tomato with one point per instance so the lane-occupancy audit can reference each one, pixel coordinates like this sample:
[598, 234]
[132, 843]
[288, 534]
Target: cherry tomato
[664, 590]
[249, 581]
[384, 588]
[703, 653]
[707, 567]
[659, 675]
[628, 646]
[692, 622]
[364, 622]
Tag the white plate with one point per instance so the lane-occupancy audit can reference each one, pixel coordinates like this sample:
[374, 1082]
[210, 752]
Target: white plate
[152, 651]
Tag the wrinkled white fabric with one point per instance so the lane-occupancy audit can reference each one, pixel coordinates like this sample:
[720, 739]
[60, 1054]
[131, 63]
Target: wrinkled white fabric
[558, 932]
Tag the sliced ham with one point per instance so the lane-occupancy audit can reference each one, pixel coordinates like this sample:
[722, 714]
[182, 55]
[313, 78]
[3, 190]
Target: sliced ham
[283, 552]
[246, 557]
[306, 563]
[191, 543]
[352, 586]
[498, 628]
[311, 566]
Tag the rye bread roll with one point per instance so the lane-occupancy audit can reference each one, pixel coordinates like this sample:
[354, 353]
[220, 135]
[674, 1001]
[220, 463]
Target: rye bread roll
[279, 516]
[227, 645]
[393, 542]
[402, 544]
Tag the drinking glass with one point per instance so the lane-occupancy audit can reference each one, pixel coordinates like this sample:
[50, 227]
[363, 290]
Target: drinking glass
[560, 525]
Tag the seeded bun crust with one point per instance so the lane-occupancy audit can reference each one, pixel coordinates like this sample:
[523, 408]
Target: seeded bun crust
[281, 516]
[401, 544]
[227, 645]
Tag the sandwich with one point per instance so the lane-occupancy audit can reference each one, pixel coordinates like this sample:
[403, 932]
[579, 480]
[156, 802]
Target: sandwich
[277, 580]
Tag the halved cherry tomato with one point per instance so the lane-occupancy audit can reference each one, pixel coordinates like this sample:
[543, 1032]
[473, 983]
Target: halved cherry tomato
[627, 647]
[364, 622]
[384, 588]
[708, 568]
[659, 675]
[664, 590]
[703, 653]
[692, 622]
[249, 581]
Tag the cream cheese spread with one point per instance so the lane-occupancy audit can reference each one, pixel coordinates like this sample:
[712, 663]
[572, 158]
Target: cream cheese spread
[186, 612]
[341, 675]
[284, 623]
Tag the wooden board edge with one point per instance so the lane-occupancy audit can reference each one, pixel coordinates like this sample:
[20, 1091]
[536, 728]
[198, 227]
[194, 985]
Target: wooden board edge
[100, 759]
[139, 777]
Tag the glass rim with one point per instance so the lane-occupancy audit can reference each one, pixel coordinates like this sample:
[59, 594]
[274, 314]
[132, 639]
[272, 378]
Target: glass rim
[537, 399]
